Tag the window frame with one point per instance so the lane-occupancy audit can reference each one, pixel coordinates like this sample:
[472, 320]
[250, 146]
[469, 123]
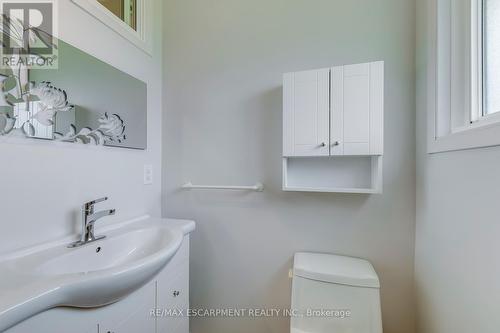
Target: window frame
[141, 38]
[455, 79]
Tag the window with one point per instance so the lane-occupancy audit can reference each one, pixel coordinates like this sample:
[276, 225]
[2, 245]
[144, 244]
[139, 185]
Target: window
[132, 19]
[125, 10]
[491, 56]
[465, 108]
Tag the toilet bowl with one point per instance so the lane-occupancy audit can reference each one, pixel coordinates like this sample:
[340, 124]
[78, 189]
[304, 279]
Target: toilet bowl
[334, 294]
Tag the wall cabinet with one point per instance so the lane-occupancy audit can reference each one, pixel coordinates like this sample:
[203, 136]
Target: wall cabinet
[169, 290]
[307, 113]
[333, 129]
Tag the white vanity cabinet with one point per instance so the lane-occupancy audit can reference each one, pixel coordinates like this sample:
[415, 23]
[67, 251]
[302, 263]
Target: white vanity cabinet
[333, 129]
[173, 293]
[169, 290]
[130, 315]
[58, 320]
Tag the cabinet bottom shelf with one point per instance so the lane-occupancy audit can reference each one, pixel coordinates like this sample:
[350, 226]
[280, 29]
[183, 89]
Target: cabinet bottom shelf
[333, 190]
[335, 174]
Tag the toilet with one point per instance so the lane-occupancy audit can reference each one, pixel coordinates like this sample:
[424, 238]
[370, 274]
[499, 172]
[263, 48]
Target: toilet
[334, 294]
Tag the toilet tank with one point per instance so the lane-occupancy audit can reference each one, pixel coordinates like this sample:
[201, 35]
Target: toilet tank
[334, 294]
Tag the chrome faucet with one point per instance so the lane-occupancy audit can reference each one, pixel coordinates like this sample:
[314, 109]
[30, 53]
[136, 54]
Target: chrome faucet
[89, 218]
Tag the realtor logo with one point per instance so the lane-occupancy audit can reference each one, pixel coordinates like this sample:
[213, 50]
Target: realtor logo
[27, 31]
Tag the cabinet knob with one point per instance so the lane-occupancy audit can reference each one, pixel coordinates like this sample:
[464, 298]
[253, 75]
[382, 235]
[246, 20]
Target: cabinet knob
[176, 293]
[336, 143]
[323, 144]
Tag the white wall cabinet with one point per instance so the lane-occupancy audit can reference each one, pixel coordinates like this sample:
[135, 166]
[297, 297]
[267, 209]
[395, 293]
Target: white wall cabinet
[337, 113]
[307, 102]
[130, 315]
[357, 119]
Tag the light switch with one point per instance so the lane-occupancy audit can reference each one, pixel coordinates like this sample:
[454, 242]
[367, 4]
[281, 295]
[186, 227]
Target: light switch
[148, 174]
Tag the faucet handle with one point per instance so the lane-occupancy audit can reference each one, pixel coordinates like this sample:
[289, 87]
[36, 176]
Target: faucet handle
[91, 204]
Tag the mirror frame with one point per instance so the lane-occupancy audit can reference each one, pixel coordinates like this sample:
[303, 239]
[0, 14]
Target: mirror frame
[140, 38]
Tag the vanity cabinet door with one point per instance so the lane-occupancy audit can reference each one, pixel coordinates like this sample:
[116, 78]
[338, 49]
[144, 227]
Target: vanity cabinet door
[357, 105]
[173, 293]
[306, 105]
[58, 320]
[130, 315]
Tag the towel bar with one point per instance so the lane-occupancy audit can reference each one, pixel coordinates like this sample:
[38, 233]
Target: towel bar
[259, 187]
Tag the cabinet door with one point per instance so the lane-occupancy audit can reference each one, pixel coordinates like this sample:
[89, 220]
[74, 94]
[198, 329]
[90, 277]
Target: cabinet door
[132, 314]
[173, 293]
[306, 113]
[357, 109]
[58, 320]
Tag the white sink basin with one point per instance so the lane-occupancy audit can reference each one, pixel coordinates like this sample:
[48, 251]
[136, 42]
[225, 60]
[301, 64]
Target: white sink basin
[94, 275]
[114, 252]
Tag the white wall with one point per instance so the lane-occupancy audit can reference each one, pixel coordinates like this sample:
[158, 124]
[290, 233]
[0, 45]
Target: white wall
[458, 230]
[224, 61]
[43, 185]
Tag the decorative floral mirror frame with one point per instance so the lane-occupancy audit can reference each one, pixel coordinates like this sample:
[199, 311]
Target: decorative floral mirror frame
[50, 100]
[28, 109]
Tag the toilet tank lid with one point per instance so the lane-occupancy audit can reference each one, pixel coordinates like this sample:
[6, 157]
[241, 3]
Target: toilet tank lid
[336, 269]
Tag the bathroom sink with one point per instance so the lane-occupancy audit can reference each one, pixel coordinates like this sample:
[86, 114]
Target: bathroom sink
[114, 252]
[94, 275]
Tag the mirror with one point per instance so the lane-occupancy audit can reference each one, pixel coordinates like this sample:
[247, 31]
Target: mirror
[125, 10]
[83, 100]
